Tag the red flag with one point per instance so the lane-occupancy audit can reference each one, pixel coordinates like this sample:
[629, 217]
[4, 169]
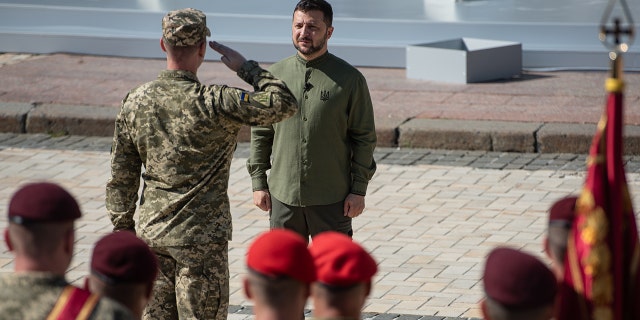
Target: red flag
[602, 280]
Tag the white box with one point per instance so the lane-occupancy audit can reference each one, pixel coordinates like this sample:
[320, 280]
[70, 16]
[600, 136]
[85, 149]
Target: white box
[464, 60]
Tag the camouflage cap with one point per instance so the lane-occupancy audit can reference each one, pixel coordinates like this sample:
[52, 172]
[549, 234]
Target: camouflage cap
[185, 27]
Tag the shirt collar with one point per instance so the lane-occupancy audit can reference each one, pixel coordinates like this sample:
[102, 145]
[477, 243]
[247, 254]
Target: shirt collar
[178, 74]
[316, 61]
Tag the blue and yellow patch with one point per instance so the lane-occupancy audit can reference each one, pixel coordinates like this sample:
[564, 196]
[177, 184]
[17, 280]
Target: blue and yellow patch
[244, 97]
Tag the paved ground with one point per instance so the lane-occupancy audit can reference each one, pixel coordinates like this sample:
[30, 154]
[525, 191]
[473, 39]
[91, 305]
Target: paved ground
[538, 112]
[431, 217]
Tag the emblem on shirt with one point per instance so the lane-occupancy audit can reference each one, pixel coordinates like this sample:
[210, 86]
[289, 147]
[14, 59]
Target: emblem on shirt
[324, 95]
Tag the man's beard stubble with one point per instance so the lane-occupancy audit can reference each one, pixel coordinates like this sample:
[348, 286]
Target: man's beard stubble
[312, 49]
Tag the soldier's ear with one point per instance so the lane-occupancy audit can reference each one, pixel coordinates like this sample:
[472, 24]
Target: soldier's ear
[483, 307]
[7, 239]
[162, 45]
[247, 290]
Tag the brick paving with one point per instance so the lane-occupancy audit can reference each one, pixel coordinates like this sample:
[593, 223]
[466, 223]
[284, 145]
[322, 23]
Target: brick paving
[431, 217]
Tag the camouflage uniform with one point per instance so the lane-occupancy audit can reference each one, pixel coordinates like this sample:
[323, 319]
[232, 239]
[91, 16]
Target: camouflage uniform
[184, 134]
[33, 295]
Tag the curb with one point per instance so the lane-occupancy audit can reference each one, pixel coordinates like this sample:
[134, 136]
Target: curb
[476, 135]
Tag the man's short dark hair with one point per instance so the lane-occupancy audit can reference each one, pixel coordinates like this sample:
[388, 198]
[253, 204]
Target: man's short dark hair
[321, 5]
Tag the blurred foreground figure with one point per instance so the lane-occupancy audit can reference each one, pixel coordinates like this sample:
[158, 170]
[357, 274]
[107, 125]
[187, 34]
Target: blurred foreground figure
[123, 268]
[345, 270]
[280, 271]
[41, 236]
[517, 286]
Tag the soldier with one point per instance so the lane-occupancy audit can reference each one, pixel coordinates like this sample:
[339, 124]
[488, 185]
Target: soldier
[184, 134]
[561, 215]
[344, 270]
[280, 271]
[41, 236]
[324, 154]
[123, 268]
[517, 286]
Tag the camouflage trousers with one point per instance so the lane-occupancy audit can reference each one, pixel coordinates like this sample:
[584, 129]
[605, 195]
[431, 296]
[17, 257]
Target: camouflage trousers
[193, 283]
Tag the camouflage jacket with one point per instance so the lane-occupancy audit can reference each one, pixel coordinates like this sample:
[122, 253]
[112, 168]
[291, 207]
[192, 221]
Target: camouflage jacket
[33, 295]
[184, 134]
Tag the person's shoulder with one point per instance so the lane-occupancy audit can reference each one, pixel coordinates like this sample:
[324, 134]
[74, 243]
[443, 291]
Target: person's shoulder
[346, 69]
[107, 308]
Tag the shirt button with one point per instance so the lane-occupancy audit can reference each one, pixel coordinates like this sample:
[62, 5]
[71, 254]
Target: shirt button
[306, 97]
[304, 140]
[305, 118]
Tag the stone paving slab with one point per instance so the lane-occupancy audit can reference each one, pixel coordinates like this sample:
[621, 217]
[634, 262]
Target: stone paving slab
[430, 219]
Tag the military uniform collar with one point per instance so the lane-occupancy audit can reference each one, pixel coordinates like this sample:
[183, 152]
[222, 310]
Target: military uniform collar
[183, 74]
[35, 278]
[316, 61]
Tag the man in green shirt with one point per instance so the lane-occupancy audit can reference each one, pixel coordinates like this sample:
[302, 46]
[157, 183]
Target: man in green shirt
[323, 155]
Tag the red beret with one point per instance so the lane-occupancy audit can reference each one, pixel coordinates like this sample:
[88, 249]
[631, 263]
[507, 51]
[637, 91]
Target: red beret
[340, 261]
[42, 202]
[281, 252]
[563, 211]
[518, 280]
[122, 257]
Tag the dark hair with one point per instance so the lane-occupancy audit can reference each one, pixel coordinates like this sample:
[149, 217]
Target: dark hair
[321, 5]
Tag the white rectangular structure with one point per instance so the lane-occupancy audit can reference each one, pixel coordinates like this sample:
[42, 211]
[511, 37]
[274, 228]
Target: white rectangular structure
[464, 60]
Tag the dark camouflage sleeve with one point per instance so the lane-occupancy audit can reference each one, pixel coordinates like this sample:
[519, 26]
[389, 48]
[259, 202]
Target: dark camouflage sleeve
[270, 102]
[122, 187]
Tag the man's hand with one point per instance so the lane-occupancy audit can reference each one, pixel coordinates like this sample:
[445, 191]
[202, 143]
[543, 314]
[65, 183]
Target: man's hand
[231, 58]
[262, 199]
[353, 205]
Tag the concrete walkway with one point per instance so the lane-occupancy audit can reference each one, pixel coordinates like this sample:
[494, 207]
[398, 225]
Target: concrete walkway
[431, 217]
[538, 112]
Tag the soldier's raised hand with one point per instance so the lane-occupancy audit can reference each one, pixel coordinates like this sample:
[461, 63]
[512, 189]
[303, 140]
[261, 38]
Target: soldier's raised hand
[231, 58]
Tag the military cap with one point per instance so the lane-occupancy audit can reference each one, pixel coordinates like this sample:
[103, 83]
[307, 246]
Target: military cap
[518, 280]
[185, 27]
[281, 252]
[340, 261]
[122, 257]
[562, 212]
[42, 202]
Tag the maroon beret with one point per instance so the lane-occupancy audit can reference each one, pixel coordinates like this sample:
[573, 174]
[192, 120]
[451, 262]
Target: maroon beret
[42, 202]
[281, 252]
[340, 261]
[562, 212]
[518, 280]
[122, 257]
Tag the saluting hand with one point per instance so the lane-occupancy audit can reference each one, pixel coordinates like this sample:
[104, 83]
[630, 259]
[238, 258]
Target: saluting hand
[231, 58]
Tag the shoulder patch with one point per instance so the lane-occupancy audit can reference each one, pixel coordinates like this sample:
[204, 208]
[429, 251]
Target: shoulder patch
[244, 96]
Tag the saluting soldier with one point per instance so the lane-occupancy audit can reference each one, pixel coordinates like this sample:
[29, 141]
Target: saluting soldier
[184, 133]
[41, 236]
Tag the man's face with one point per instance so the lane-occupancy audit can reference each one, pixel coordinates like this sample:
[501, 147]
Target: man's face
[310, 33]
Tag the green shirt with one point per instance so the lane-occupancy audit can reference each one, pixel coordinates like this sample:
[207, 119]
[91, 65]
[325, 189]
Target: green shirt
[325, 151]
[184, 134]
